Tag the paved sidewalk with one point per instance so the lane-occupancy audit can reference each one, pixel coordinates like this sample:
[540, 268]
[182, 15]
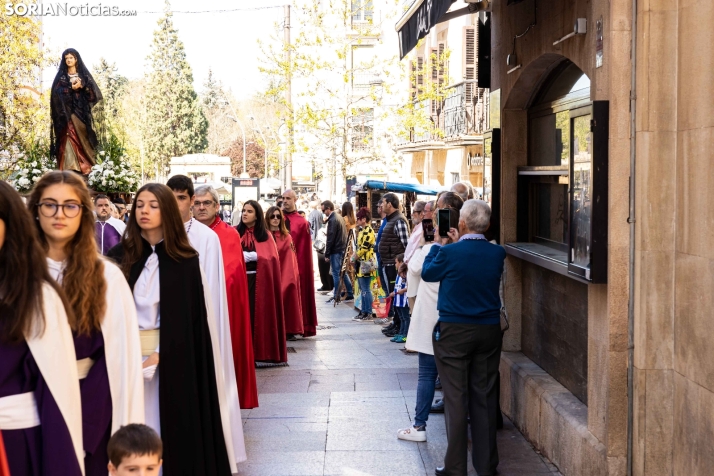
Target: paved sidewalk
[337, 407]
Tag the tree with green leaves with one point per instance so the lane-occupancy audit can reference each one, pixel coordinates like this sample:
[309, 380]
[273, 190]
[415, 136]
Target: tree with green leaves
[174, 123]
[108, 112]
[421, 114]
[24, 109]
[216, 104]
[340, 80]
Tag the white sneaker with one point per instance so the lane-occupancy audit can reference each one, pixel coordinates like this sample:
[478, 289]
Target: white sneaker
[412, 434]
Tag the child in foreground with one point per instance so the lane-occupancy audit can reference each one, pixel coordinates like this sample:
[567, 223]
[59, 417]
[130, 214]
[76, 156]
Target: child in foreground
[135, 450]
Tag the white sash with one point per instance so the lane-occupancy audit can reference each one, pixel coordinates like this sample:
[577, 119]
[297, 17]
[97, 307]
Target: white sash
[18, 412]
[83, 367]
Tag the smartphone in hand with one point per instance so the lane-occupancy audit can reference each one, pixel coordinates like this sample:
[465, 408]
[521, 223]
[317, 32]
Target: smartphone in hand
[447, 218]
[427, 224]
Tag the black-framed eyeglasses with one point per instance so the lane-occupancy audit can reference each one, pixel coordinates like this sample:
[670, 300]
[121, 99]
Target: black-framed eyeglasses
[205, 203]
[49, 209]
[275, 217]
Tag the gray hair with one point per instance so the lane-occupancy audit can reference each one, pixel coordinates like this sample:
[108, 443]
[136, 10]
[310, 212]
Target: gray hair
[204, 189]
[476, 214]
[419, 206]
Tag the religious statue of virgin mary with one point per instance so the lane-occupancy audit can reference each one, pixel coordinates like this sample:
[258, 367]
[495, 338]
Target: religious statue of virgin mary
[74, 94]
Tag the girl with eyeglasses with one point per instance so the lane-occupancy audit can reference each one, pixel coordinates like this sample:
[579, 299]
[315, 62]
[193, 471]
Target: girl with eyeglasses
[262, 264]
[106, 340]
[40, 409]
[289, 275]
[184, 391]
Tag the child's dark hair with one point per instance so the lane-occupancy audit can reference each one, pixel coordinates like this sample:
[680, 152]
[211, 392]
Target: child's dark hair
[133, 439]
[400, 257]
[403, 268]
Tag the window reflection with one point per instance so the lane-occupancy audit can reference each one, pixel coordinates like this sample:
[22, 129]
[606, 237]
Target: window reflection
[582, 189]
[551, 220]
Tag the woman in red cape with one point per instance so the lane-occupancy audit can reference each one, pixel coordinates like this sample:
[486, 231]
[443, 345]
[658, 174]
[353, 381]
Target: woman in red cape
[239, 311]
[264, 286]
[290, 278]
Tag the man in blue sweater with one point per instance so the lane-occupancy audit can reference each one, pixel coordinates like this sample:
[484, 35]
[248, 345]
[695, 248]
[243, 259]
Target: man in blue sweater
[467, 337]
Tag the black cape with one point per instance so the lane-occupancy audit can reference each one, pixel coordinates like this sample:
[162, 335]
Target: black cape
[191, 427]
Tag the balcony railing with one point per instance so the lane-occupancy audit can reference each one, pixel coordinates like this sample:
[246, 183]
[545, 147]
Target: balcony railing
[466, 110]
[362, 83]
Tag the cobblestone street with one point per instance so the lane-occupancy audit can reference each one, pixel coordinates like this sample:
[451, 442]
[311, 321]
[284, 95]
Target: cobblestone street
[337, 407]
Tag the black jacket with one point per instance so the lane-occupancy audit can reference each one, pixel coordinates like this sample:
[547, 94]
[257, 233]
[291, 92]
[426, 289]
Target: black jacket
[336, 235]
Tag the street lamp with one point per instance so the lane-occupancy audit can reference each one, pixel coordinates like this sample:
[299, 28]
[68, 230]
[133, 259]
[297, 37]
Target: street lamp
[244, 174]
[265, 144]
[234, 117]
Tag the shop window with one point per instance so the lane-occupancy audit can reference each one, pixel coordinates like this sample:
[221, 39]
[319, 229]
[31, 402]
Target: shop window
[562, 192]
[455, 177]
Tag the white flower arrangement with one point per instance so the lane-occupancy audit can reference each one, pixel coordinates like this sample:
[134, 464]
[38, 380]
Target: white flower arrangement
[113, 174]
[28, 171]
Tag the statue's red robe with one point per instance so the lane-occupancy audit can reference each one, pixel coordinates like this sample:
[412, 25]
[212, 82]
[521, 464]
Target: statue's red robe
[239, 311]
[290, 280]
[300, 233]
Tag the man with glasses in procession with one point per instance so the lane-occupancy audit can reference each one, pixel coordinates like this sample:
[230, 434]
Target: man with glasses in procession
[206, 209]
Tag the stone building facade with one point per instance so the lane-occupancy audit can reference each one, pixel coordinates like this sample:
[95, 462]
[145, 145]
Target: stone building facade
[566, 148]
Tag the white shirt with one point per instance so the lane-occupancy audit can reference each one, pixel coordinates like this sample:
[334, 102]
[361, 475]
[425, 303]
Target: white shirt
[146, 295]
[56, 269]
[413, 244]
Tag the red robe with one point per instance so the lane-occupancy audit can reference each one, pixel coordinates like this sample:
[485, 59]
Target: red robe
[300, 233]
[4, 468]
[239, 312]
[290, 279]
[269, 344]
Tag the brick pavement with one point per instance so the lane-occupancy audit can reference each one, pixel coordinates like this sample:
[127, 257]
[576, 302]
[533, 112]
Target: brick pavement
[336, 408]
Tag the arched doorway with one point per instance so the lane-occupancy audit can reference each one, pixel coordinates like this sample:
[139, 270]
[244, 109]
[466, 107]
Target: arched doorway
[556, 236]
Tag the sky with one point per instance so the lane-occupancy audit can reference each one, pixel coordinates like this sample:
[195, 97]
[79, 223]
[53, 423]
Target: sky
[224, 41]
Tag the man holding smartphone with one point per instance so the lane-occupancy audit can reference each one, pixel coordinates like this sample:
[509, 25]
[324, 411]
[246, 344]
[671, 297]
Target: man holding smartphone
[467, 337]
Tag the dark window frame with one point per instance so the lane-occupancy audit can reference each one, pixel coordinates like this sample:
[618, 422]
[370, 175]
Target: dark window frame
[557, 255]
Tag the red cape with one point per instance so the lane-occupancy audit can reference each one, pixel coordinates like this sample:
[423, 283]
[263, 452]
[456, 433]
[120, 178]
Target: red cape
[239, 312]
[269, 343]
[290, 280]
[300, 233]
[4, 468]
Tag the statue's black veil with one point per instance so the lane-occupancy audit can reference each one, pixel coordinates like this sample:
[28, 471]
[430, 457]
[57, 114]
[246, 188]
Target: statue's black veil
[64, 104]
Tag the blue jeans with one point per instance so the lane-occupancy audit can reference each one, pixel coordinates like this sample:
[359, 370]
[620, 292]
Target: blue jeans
[335, 266]
[404, 319]
[366, 292]
[426, 386]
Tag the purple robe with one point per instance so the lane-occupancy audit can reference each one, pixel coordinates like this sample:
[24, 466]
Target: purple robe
[96, 403]
[107, 234]
[44, 450]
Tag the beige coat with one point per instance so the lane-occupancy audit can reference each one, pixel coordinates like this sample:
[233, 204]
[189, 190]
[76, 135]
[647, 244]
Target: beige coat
[424, 315]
